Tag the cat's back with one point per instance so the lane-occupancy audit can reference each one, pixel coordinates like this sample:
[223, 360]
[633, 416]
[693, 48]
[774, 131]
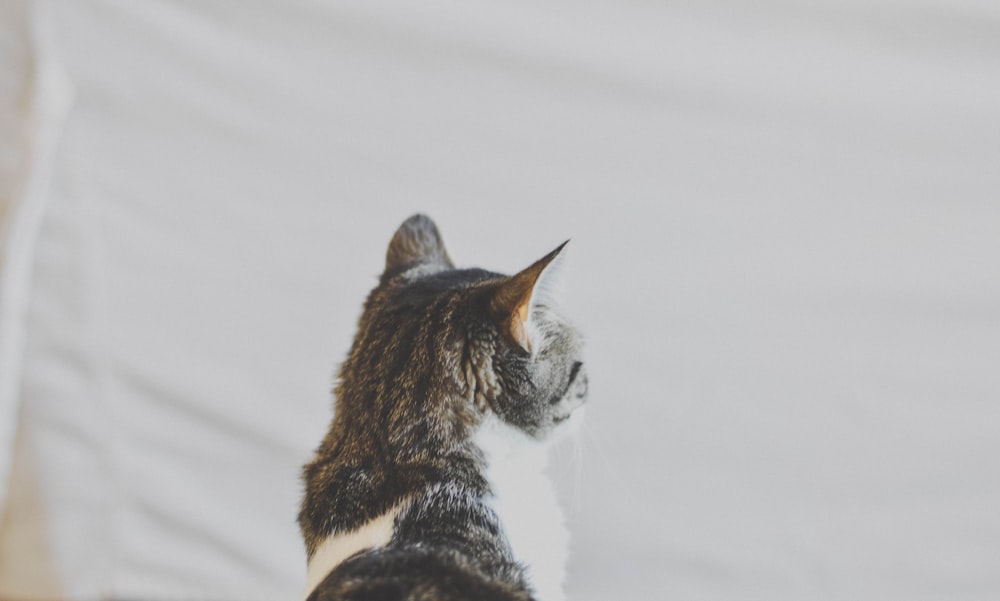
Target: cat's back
[445, 543]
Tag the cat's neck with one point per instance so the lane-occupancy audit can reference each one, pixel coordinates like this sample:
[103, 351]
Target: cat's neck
[503, 445]
[523, 497]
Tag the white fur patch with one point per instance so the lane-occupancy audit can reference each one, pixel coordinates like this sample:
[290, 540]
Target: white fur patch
[339, 546]
[525, 501]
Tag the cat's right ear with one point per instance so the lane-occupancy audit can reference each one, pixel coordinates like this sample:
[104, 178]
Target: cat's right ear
[417, 241]
[514, 302]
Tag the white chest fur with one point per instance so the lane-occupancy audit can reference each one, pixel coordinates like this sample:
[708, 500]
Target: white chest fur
[525, 501]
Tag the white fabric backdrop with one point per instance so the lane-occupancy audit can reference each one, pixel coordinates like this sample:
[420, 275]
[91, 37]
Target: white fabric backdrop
[786, 259]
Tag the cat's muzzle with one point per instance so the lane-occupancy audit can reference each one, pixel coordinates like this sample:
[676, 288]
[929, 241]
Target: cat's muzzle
[576, 394]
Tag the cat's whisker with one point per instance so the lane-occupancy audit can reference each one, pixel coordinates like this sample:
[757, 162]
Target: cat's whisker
[612, 471]
[578, 469]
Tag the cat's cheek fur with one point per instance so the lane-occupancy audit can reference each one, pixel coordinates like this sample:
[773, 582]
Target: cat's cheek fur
[570, 427]
[525, 501]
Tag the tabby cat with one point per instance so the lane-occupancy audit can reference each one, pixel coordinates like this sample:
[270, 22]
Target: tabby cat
[429, 484]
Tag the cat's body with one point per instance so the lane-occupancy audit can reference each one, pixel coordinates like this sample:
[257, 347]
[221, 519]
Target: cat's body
[429, 484]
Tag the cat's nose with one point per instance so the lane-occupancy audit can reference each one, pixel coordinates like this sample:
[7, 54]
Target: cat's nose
[575, 370]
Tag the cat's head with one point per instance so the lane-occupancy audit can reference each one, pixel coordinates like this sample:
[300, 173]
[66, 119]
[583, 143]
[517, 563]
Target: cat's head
[498, 339]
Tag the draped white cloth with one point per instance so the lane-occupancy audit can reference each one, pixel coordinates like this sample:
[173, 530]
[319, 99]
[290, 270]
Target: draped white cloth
[786, 258]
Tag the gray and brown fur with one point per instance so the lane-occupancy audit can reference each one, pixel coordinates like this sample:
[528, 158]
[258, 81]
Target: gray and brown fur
[437, 350]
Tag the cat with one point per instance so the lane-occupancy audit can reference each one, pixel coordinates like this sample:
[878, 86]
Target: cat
[429, 484]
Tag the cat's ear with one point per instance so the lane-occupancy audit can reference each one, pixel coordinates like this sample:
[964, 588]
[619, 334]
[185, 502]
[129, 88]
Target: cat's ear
[417, 241]
[514, 302]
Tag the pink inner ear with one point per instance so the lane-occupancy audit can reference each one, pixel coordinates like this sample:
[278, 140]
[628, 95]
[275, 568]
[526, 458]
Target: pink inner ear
[518, 325]
[524, 309]
[519, 332]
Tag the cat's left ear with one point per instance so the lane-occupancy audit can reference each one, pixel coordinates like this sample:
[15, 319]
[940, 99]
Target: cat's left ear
[417, 241]
[514, 302]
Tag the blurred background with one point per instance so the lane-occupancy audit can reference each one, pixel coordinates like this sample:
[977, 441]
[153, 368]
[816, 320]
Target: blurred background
[786, 261]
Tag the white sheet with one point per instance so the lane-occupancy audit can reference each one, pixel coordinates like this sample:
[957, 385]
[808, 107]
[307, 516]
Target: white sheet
[786, 250]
